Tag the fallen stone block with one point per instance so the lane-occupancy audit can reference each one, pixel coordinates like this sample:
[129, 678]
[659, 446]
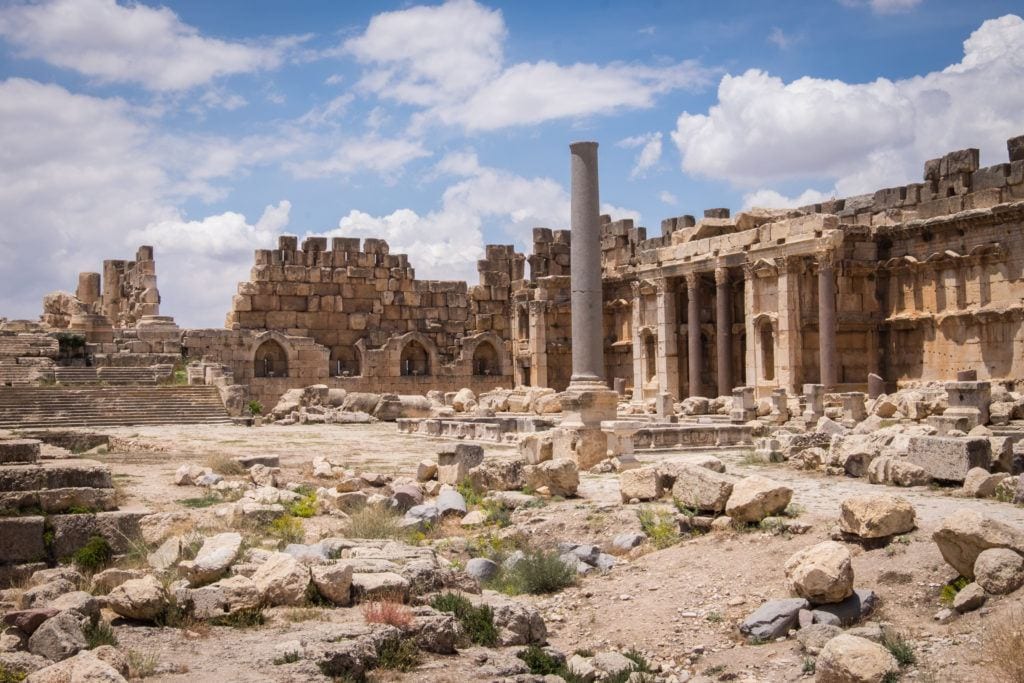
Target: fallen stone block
[949, 459]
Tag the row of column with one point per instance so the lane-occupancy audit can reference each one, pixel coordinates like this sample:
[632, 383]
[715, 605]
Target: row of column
[723, 329]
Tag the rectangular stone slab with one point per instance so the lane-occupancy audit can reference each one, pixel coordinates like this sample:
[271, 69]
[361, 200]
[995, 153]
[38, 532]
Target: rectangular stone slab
[949, 458]
[19, 450]
[56, 475]
[21, 540]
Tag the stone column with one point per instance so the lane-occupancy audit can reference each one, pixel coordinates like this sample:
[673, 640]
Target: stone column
[587, 314]
[88, 291]
[723, 330]
[587, 402]
[667, 360]
[636, 311]
[827, 320]
[693, 331]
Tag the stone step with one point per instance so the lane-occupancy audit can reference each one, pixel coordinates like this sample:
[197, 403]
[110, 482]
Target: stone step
[19, 451]
[55, 474]
[61, 500]
[107, 406]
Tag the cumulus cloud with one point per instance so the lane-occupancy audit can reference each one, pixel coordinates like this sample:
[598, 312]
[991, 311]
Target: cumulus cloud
[860, 136]
[83, 175]
[215, 252]
[137, 44]
[667, 197]
[449, 61]
[770, 199]
[447, 242]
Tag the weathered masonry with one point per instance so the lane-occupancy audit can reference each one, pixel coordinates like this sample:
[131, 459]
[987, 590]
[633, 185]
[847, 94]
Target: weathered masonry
[908, 284]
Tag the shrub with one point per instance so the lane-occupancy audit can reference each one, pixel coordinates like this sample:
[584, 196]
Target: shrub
[900, 648]
[398, 654]
[540, 662]
[100, 634]
[255, 408]
[12, 675]
[477, 622]
[537, 573]
[304, 507]
[1003, 642]
[470, 494]
[497, 513]
[375, 522]
[660, 527]
[94, 555]
[225, 465]
[141, 664]
[207, 500]
[287, 529]
[387, 610]
[949, 590]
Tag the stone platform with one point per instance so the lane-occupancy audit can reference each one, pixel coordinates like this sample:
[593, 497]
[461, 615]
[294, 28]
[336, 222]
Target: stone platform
[496, 429]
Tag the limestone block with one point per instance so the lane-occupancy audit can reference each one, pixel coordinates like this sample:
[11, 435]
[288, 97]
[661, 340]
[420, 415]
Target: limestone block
[453, 464]
[701, 489]
[949, 459]
[876, 516]
[963, 536]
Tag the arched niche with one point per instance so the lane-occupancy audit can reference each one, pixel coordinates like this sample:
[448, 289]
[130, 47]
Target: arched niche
[486, 361]
[415, 360]
[270, 360]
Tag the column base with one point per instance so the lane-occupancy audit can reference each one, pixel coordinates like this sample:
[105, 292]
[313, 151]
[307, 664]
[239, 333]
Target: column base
[585, 408]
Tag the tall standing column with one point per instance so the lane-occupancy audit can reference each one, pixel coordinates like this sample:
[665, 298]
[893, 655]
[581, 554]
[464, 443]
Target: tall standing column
[587, 314]
[723, 330]
[827, 319]
[693, 331]
[668, 346]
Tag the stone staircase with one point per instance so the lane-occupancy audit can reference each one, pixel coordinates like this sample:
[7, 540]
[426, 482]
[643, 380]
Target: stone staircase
[23, 407]
[51, 508]
[126, 376]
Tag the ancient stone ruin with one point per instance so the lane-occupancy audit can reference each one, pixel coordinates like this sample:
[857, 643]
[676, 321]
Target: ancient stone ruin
[780, 444]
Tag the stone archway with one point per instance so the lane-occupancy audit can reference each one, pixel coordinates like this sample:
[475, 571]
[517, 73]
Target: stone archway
[486, 360]
[415, 360]
[270, 360]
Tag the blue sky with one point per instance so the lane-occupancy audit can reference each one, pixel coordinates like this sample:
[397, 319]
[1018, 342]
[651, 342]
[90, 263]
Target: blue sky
[206, 129]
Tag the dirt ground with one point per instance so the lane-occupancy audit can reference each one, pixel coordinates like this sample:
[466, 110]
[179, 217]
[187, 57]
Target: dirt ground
[680, 606]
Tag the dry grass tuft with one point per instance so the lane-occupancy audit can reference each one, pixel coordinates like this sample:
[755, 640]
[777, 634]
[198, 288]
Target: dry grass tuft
[387, 609]
[1003, 642]
[225, 465]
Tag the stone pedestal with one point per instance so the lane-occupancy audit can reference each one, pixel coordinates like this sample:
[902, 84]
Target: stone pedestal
[780, 407]
[584, 412]
[620, 386]
[744, 408]
[663, 406]
[969, 400]
[854, 409]
[814, 408]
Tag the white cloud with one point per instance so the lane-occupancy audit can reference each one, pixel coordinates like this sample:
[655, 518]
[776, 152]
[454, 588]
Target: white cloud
[447, 242]
[779, 38]
[770, 199]
[131, 44]
[386, 157]
[215, 253]
[449, 60]
[860, 136]
[667, 197]
[649, 155]
[83, 175]
[216, 99]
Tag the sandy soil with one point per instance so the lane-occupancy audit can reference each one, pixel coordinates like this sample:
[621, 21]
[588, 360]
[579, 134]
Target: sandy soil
[680, 605]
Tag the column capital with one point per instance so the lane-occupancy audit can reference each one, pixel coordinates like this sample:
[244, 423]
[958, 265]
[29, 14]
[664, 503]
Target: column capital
[721, 275]
[825, 259]
[692, 280]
